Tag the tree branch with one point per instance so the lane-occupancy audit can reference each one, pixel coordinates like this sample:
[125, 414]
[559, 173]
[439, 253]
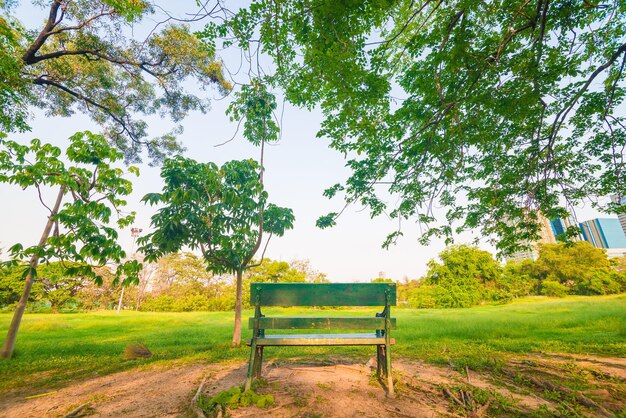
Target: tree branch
[82, 24]
[45, 82]
[562, 115]
[44, 34]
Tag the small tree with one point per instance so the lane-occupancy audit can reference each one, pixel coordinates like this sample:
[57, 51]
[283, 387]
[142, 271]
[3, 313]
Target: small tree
[57, 287]
[276, 272]
[461, 279]
[221, 212]
[79, 230]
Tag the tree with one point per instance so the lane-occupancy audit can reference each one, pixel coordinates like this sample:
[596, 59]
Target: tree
[77, 230]
[463, 276]
[103, 295]
[12, 285]
[146, 280]
[220, 211]
[519, 278]
[485, 109]
[311, 275]
[181, 282]
[276, 272]
[182, 274]
[81, 60]
[580, 267]
[57, 286]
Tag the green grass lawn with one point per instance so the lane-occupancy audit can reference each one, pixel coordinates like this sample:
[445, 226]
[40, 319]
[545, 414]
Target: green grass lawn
[53, 348]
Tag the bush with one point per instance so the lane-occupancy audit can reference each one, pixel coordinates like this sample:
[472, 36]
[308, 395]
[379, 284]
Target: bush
[425, 296]
[517, 280]
[600, 283]
[232, 398]
[191, 303]
[161, 303]
[188, 303]
[554, 289]
[462, 276]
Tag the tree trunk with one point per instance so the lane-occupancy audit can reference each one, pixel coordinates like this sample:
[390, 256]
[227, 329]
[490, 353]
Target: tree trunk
[119, 303]
[237, 332]
[9, 342]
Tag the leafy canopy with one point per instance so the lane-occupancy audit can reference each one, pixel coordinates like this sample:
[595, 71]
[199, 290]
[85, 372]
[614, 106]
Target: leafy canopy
[489, 110]
[463, 275]
[82, 60]
[220, 211]
[84, 236]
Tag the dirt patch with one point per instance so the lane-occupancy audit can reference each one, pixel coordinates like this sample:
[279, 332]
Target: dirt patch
[345, 389]
[523, 386]
[337, 390]
[542, 385]
[154, 391]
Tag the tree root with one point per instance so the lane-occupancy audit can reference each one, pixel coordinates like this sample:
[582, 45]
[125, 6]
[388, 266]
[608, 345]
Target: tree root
[194, 401]
[545, 384]
[77, 411]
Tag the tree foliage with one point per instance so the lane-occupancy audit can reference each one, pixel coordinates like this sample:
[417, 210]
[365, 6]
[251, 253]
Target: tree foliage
[58, 287]
[462, 277]
[78, 233]
[96, 189]
[276, 272]
[579, 268]
[467, 276]
[216, 210]
[81, 60]
[221, 211]
[485, 109]
[12, 284]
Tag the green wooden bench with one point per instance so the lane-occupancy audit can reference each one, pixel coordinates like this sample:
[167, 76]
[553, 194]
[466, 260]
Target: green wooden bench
[322, 294]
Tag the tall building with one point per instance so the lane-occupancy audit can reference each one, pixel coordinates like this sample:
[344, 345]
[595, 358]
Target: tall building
[604, 233]
[559, 226]
[620, 216]
[546, 236]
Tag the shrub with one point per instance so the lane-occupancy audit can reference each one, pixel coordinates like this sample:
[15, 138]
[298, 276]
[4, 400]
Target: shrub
[462, 276]
[425, 296]
[554, 289]
[232, 398]
[161, 303]
[191, 303]
[600, 283]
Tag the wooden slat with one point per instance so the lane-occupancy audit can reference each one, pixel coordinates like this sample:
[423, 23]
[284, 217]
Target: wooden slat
[321, 339]
[345, 322]
[322, 294]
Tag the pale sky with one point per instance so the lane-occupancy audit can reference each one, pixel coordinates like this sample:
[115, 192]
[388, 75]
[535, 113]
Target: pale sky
[298, 169]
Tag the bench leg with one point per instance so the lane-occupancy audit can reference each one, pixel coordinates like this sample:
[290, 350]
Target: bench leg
[380, 359]
[251, 364]
[258, 362]
[383, 360]
[388, 369]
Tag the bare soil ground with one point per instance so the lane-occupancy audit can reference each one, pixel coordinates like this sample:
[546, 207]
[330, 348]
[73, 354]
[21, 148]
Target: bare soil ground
[535, 385]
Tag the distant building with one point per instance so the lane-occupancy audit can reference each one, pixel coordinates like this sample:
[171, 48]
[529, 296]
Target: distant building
[604, 233]
[546, 236]
[608, 234]
[620, 216]
[559, 226]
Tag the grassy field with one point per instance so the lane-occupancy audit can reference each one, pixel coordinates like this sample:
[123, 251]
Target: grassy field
[62, 347]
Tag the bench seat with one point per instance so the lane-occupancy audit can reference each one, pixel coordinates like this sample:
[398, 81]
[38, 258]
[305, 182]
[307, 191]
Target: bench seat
[321, 339]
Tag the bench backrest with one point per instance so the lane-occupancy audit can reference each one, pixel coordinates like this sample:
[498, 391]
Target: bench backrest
[323, 294]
